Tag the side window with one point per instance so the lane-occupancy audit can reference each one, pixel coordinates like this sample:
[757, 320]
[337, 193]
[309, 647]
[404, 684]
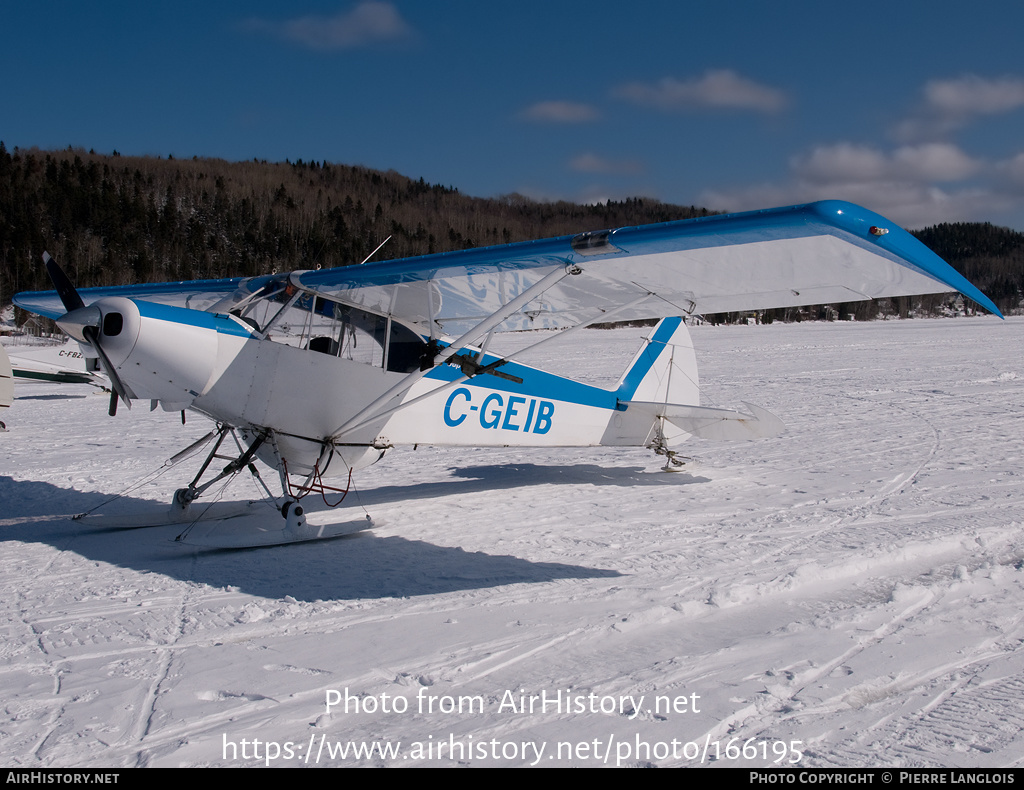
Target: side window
[361, 338]
[405, 348]
[340, 330]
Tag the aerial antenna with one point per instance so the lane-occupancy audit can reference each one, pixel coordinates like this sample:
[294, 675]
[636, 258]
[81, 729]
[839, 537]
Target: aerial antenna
[375, 251]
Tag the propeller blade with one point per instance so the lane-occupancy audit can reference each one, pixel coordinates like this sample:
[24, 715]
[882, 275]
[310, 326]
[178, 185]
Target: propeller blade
[65, 290]
[92, 337]
[83, 324]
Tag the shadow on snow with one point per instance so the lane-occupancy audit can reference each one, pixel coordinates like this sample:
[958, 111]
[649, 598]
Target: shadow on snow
[357, 566]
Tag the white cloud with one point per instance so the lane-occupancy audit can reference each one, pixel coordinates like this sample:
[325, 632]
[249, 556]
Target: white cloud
[840, 162]
[973, 95]
[717, 88]
[901, 184]
[370, 22]
[1014, 168]
[1010, 173]
[951, 104]
[925, 181]
[855, 164]
[934, 162]
[560, 112]
[908, 204]
[592, 163]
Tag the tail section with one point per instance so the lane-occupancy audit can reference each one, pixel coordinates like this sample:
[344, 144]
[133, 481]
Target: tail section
[659, 395]
[664, 370]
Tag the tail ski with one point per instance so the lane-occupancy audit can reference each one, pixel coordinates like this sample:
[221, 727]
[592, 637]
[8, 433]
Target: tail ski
[660, 392]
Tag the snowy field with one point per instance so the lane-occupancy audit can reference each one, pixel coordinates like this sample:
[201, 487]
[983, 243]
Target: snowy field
[848, 594]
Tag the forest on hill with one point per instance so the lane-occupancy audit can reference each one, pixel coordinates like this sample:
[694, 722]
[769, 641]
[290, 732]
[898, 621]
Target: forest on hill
[112, 220]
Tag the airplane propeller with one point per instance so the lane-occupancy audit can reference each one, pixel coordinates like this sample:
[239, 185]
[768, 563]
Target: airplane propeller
[83, 324]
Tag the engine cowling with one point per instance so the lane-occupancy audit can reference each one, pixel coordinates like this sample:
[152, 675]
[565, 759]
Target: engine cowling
[160, 352]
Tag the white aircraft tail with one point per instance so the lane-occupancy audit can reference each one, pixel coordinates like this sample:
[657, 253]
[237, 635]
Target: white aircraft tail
[660, 392]
[664, 370]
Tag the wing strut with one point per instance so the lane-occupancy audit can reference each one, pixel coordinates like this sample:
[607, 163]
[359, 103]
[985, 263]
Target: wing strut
[371, 412]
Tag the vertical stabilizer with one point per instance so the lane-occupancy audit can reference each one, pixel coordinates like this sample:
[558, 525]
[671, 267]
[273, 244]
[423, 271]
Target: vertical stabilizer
[660, 393]
[664, 370]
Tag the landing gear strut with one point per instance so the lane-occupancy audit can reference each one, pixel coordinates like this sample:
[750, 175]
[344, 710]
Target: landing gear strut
[184, 497]
[296, 528]
[293, 513]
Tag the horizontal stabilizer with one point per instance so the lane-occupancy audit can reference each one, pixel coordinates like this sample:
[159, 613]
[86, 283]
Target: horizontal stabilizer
[716, 424]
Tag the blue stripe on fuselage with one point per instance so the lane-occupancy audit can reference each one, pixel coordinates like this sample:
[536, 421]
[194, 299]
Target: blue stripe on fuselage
[536, 384]
[541, 384]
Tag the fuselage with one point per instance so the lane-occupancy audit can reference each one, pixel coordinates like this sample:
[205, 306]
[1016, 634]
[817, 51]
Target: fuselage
[312, 396]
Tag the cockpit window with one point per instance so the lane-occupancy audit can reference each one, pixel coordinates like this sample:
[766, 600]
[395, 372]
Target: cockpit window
[405, 349]
[361, 338]
[339, 330]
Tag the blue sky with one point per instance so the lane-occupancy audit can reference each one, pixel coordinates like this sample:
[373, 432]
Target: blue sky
[913, 109]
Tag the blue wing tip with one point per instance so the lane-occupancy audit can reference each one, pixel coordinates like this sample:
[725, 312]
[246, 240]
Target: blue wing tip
[863, 223]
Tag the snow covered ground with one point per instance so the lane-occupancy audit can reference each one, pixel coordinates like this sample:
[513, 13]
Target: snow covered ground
[848, 594]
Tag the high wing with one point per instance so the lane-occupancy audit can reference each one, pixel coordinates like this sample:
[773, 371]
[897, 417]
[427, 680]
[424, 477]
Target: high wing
[198, 294]
[816, 253]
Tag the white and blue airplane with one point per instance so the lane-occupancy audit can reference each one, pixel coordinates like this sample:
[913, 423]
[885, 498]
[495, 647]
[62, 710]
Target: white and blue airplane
[6, 384]
[317, 373]
[44, 363]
